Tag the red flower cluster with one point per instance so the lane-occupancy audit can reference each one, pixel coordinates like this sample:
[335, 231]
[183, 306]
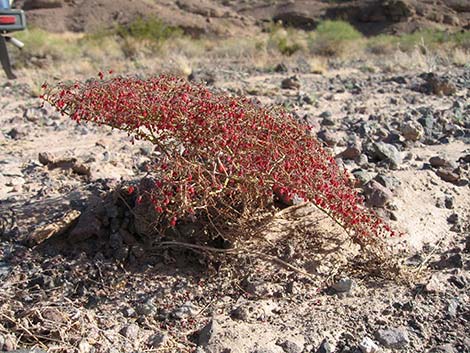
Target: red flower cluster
[221, 158]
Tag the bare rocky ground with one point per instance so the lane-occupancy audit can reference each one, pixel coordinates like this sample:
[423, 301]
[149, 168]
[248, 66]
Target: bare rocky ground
[98, 284]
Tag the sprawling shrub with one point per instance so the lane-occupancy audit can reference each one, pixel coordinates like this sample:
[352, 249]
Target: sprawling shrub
[221, 159]
[334, 38]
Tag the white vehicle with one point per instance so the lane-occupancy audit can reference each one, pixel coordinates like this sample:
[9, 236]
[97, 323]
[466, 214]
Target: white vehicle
[11, 20]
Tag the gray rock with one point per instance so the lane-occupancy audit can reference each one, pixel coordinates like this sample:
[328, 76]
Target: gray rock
[208, 334]
[390, 182]
[4, 270]
[351, 152]
[387, 153]
[376, 194]
[88, 225]
[263, 350]
[17, 133]
[367, 345]
[128, 312]
[11, 170]
[344, 285]
[325, 347]
[188, 309]
[328, 137]
[158, 339]
[130, 331]
[436, 284]
[34, 114]
[327, 121]
[15, 181]
[394, 338]
[452, 308]
[147, 308]
[363, 176]
[289, 346]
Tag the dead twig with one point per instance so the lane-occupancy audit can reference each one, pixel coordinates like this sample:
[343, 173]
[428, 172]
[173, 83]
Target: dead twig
[25, 329]
[238, 251]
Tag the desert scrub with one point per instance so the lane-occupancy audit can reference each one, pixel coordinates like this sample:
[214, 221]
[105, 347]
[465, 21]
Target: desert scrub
[426, 39]
[145, 33]
[334, 38]
[222, 160]
[287, 41]
[40, 44]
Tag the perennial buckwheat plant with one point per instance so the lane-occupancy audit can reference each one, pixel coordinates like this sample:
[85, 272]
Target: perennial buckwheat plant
[221, 159]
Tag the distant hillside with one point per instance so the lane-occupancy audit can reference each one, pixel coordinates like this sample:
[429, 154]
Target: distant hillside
[234, 17]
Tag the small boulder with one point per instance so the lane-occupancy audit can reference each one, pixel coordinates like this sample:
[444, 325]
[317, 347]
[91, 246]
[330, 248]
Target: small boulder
[131, 331]
[393, 338]
[290, 83]
[412, 131]
[448, 175]
[376, 194]
[388, 153]
[368, 346]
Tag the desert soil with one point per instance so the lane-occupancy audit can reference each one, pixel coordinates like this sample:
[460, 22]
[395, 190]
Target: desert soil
[98, 286]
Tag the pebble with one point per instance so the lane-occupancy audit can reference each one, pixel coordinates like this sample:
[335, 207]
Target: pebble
[146, 308]
[17, 133]
[34, 114]
[290, 83]
[367, 345]
[84, 346]
[376, 194]
[438, 162]
[188, 309]
[448, 175]
[387, 153]
[325, 347]
[158, 340]
[4, 270]
[435, 284]
[46, 158]
[452, 308]
[394, 338]
[327, 121]
[344, 285]
[128, 312]
[131, 331]
[412, 131]
[351, 152]
[289, 346]
[328, 137]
